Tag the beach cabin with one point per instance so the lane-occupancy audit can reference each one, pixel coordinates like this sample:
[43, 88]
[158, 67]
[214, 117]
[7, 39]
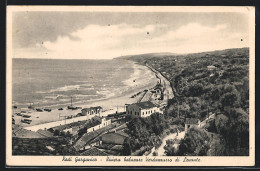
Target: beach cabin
[91, 110]
[191, 123]
[142, 109]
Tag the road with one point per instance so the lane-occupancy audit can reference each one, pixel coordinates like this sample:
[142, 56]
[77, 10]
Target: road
[160, 150]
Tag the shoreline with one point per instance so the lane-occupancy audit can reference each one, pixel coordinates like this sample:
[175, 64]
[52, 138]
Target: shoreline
[109, 105]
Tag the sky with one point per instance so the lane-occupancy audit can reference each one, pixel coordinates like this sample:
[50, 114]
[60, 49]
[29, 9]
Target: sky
[105, 35]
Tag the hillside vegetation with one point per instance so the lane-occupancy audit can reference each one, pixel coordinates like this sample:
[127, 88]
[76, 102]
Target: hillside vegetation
[216, 82]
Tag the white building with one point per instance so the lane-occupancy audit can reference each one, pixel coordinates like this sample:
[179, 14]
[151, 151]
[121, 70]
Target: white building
[142, 109]
[91, 110]
[104, 122]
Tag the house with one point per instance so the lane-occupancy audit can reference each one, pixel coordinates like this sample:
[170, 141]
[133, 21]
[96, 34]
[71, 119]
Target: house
[142, 109]
[158, 92]
[86, 140]
[113, 138]
[91, 111]
[72, 130]
[191, 123]
[211, 67]
[102, 122]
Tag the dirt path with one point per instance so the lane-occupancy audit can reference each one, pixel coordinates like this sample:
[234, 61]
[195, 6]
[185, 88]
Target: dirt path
[160, 150]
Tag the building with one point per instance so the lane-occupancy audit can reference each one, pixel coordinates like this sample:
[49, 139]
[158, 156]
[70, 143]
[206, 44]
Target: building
[191, 123]
[91, 110]
[158, 92]
[142, 109]
[103, 122]
[73, 130]
[211, 67]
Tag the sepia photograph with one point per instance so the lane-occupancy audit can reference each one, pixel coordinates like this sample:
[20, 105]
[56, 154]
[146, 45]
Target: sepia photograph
[130, 86]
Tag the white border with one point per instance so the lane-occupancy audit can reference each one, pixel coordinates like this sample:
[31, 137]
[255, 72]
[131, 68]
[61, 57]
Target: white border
[57, 160]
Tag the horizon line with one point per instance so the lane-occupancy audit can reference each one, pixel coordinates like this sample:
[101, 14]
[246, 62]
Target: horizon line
[175, 54]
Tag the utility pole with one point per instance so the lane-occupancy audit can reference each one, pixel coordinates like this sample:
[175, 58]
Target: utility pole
[178, 110]
[208, 111]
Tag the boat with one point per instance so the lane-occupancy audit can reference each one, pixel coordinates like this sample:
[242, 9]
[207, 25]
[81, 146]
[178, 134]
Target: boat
[60, 109]
[18, 114]
[71, 106]
[39, 110]
[74, 108]
[30, 107]
[13, 121]
[28, 121]
[26, 116]
[46, 109]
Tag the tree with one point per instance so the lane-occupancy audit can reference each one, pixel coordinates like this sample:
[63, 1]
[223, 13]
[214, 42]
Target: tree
[169, 148]
[68, 134]
[126, 148]
[56, 132]
[62, 133]
[195, 143]
[230, 99]
[51, 130]
[234, 129]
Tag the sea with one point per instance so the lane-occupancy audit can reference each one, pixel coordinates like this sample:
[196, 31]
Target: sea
[48, 82]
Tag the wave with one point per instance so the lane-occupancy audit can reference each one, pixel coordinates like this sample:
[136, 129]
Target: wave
[68, 88]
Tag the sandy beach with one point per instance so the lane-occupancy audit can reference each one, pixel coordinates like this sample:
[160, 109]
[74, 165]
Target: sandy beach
[142, 78]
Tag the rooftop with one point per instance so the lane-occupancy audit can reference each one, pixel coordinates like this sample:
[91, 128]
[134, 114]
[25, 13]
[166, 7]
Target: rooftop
[24, 133]
[145, 105]
[88, 137]
[45, 133]
[92, 108]
[94, 152]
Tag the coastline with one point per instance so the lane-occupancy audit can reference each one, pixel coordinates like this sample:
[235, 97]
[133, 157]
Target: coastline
[143, 78]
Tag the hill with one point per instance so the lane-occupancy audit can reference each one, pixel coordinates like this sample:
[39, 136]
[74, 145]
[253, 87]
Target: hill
[217, 82]
[217, 53]
[146, 56]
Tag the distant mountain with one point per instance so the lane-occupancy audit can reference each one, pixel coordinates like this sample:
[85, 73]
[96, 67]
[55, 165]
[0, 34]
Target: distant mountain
[216, 53]
[226, 52]
[146, 55]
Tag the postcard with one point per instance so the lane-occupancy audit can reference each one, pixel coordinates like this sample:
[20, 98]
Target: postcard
[130, 86]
